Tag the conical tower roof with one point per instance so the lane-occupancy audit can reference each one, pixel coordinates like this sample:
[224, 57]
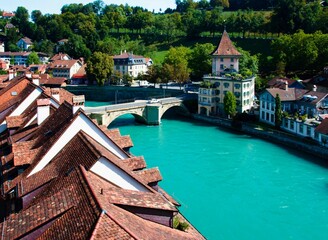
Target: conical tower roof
[226, 47]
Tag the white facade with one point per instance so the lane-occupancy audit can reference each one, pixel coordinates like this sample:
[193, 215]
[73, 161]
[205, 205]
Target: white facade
[210, 100]
[66, 71]
[112, 173]
[130, 64]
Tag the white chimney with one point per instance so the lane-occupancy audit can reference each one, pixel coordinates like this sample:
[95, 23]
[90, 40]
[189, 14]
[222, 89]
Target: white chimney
[11, 74]
[43, 110]
[28, 74]
[36, 79]
[286, 85]
[314, 88]
[78, 102]
[55, 93]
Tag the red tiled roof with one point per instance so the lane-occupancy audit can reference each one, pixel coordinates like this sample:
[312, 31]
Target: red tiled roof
[135, 163]
[7, 14]
[323, 127]
[280, 82]
[27, 40]
[62, 64]
[14, 121]
[118, 196]
[292, 94]
[60, 56]
[127, 55]
[151, 175]
[226, 47]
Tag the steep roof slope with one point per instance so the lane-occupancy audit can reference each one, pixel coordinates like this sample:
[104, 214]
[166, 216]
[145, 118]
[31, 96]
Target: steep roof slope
[226, 47]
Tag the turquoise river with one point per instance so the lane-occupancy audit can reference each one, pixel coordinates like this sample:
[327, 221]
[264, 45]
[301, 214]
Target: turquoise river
[234, 186]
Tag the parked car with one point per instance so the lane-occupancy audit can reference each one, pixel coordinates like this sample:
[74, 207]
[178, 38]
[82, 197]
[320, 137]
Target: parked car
[153, 100]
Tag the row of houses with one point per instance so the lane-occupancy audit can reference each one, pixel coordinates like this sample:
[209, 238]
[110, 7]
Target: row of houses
[305, 112]
[63, 176]
[61, 65]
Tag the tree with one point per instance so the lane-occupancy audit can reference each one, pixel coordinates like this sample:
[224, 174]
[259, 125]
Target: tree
[219, 3]
[99, 67]
[33, 58]
[248, 64]
[176, 64]
[230, 104]
[21, 19]
[200, 61]
[277, 112]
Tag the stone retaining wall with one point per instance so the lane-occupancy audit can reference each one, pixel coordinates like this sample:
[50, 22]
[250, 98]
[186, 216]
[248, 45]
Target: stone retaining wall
[275, 136]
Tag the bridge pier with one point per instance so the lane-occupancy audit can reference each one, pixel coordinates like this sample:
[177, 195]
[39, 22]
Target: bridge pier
[153, 114]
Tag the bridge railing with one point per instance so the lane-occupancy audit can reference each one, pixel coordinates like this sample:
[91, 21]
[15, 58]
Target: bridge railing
[135, 104]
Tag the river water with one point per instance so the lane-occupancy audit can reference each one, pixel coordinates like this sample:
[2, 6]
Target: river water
[234, 186]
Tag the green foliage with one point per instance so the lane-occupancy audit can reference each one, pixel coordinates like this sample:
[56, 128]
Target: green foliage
[3, 72]
[277, 112]
[177, 224]
[100, 67]
[205, 84]
[303, 117]
[300, 52]
[248, 64]
[33, 58]
[176, 64]
[200, 61]
[230, 104]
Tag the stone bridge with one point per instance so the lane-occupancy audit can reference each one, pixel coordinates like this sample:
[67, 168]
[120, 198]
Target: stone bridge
[143, 111]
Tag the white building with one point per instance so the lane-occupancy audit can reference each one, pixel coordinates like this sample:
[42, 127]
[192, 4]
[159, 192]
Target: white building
[133, 65]
[65, 68]
[224, 78]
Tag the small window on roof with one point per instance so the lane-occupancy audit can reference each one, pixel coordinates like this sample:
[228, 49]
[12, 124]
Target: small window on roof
[13, 93]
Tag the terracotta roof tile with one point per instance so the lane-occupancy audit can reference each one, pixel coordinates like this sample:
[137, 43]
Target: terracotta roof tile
[126, 55]
[62, 64]
[292, 94]
[64, 95]
[135, 163]
[106, 228]
[14, 121]
[151, 175]
[323, 127]
[226, 47]
[112, 194]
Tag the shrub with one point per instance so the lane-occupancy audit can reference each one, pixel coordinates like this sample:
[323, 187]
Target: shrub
[177, 224]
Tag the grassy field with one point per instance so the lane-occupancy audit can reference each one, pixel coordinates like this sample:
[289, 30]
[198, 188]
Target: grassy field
[253, 45]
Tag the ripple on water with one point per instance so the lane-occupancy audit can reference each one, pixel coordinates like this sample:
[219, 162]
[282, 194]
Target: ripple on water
[233, 186]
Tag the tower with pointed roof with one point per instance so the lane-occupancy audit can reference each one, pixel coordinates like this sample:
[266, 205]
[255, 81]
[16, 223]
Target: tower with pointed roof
[225, 57]
[225, 77]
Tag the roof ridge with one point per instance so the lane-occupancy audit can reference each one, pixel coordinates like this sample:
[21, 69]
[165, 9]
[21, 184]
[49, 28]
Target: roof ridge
[82, 173]
[121, 225]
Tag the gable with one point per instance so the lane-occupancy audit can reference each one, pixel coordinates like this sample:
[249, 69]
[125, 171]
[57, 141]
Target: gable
[81, 122]
[27, 102]
[117, 176]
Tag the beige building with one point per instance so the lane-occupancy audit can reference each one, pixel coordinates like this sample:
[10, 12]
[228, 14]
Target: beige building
[224, 78]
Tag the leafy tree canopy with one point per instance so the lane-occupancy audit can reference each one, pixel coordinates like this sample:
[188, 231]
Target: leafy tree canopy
[230, 104]
[100, 67]
[33, 58]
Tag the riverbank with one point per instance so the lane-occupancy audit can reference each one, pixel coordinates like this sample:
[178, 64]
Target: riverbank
[271, 135]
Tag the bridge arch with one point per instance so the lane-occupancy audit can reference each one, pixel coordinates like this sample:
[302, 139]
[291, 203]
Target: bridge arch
[138, 115]
[181, 106]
